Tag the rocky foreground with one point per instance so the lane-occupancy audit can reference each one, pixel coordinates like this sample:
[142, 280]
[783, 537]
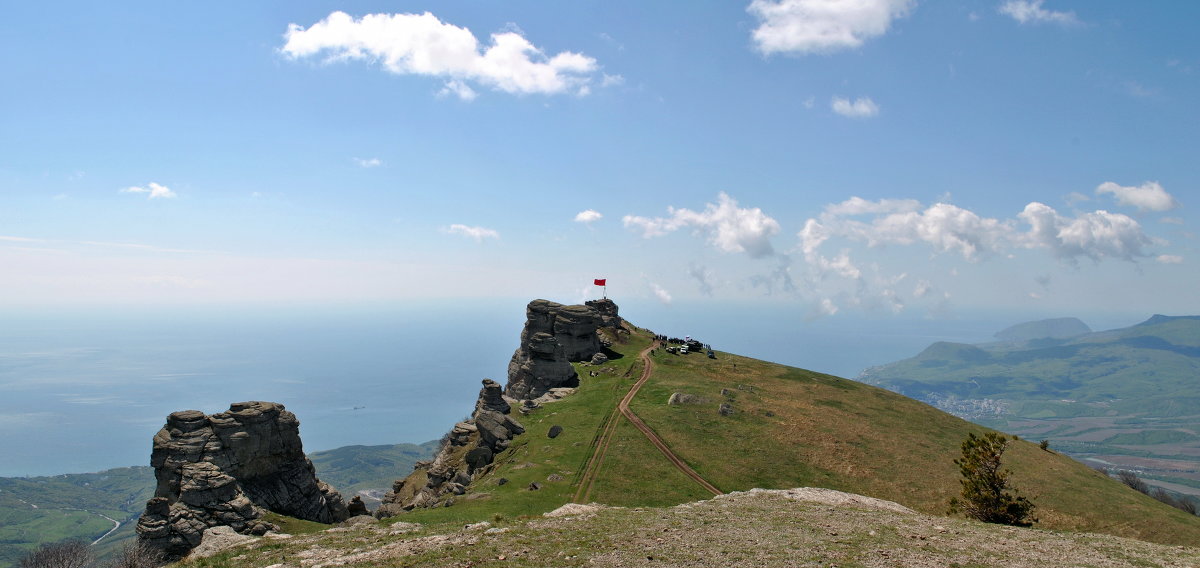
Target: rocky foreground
[796, 527]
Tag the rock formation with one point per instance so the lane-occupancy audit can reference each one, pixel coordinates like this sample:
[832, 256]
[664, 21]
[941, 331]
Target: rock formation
[469, 449]
[554, 336]
[228, 469]
[608, 312]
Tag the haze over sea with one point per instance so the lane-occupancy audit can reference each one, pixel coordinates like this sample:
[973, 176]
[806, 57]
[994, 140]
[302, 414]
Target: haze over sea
[87, 390]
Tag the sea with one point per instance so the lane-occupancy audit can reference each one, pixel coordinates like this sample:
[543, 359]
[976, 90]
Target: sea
[83, 390]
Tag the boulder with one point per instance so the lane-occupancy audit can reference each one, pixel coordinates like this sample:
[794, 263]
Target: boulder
[228, 469]
[599, 359]
[357, 507]
[555, 430]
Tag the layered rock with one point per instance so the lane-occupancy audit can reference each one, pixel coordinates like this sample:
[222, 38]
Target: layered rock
[554, 336]
[229, 469]
[469, 450]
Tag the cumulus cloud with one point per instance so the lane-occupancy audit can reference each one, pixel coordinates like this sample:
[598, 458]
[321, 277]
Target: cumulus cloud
[422, 44]
[1096, 235]
[1032, 12]
[1169, 259]
[949, 229]
[862, 107]
[368, 162]
[588, 216]
[820, 26]
[724, 225]
[477, 233]
[1150, 196]
[153, 191]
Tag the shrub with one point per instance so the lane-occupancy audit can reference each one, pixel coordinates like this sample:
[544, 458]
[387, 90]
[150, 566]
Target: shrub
[1044, 444]
[986, 495]
[138, 554]
[1133, 481]
[65, 554]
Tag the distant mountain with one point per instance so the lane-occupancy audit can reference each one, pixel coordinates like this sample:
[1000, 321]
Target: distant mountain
[1058, 328]
[1127, 397]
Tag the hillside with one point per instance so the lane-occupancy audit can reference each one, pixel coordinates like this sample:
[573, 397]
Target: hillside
[788, 428]
[1126, 398]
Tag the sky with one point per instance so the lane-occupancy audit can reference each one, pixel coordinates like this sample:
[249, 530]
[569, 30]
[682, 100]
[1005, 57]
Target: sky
[832, 158]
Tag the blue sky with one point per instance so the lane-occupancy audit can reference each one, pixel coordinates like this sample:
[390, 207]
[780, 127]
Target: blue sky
[870, 157]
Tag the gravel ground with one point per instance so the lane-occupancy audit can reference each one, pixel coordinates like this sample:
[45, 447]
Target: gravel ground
[796, 527]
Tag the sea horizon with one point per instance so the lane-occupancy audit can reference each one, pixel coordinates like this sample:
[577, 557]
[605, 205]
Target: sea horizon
[87, 389]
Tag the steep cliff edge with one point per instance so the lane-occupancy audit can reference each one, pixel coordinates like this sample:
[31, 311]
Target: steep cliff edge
[230, 469]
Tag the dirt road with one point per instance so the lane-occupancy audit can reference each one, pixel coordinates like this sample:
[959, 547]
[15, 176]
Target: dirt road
[593, 465]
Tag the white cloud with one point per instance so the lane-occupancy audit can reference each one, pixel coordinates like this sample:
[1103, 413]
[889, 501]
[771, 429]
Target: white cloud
[588, 216]
[1032, 12]
[459, 89]
[477, 233]
[947, 228]
[422, 44]
[822, 26]
[154, 190]
[1096, 235]
[368, 162]
[607, 80]
[661, 294]
[1169, 259]
[862, 107]
[725, 225]
[1150, 196]
[859, 206]
[1171, 220]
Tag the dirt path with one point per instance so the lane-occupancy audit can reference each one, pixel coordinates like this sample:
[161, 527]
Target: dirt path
[593, 465]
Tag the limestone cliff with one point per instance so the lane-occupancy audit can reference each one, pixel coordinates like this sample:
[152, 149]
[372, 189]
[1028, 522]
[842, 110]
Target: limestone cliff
[554, 336]
[229, 469]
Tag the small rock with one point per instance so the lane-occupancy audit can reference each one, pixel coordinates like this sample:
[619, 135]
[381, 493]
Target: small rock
[555, 430]
[535, 486]
[725, 409]
[502, 481]
[554, 477]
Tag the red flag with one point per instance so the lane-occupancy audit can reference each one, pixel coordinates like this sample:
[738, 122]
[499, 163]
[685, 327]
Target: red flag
[600, 281]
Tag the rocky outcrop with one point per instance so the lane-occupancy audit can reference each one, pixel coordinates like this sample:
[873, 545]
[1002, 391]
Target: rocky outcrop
[555, 336]
[469, 449]
[229, 469]
[608, 312]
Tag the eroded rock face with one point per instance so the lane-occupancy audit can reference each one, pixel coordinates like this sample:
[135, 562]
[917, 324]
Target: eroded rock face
[470, 448]
[554, 336]
[229, 469]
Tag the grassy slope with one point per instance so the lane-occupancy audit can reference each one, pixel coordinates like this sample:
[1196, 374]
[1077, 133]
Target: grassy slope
[835, 433]
[796, 428]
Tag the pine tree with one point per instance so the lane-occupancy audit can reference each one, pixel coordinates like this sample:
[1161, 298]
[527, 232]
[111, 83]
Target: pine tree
[986, 495]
